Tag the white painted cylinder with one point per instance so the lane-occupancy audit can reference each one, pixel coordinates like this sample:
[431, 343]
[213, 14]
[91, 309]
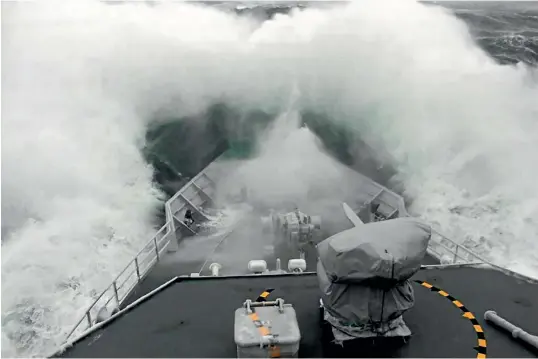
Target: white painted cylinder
[214, 268]
[516, 332]
[257, 266]
[297, 265]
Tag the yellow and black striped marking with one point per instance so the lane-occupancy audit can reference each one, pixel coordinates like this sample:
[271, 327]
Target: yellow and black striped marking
[481, 348]
[264, 295]
[274, 351]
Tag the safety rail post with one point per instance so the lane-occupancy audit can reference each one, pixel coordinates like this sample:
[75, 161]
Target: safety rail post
[88, 316]
[156, 247]
[393, 213]
[456, 254]
[202, 192]
[137, 268]
[139, 273]
[114, 285]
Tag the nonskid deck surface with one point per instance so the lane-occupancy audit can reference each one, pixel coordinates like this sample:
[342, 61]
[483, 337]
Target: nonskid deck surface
[194, 318]
[235, 245]
[247, 241]
[233, 248]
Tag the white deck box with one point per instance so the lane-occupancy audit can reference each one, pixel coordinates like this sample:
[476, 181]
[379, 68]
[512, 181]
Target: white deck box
[268, 331]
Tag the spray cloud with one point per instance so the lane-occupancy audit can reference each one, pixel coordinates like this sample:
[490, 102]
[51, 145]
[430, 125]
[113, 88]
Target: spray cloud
[83, 79]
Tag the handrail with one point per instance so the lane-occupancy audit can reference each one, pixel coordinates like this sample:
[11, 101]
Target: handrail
[435, 245]
[152, 250]
[480, 258]
[455, 252]
[191, 181]
[140, 265]
[168, 205]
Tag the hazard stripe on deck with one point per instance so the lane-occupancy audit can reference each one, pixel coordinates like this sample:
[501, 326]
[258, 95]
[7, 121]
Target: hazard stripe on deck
[264, 295]
[274, 350]
[481, 337]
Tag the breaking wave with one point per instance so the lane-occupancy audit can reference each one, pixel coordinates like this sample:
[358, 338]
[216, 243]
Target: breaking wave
[84, 80]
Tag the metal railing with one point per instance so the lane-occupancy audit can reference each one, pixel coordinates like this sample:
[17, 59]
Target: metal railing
[448, 251]
[445, 249]
[171, 208]
[192, 182]
[110, 300]
[441, 247]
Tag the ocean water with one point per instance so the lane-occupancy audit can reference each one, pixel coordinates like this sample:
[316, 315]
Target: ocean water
[108, 106]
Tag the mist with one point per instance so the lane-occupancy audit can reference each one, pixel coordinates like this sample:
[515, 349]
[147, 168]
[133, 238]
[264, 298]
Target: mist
[84, 80]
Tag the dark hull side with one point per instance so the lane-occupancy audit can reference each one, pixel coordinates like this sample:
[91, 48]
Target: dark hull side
[194, 317]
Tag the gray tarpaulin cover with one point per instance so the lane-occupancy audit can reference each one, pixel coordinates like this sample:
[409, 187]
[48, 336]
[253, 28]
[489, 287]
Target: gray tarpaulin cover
[355, 268]
[368, 252]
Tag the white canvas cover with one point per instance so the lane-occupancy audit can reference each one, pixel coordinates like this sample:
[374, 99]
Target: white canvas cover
[357, 310]
[381, 252]
[363, 276]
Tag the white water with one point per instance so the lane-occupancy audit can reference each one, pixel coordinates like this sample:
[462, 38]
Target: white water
[81, 79]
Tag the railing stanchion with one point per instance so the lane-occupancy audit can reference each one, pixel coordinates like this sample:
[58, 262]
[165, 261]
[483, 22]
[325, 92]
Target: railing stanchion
[156, 248]
[139, 273]
[116, 293]
[137, 268]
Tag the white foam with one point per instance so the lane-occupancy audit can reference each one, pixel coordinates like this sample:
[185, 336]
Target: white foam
[82, 79]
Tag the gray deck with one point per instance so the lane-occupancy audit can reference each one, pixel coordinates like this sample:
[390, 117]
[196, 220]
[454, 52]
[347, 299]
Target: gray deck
[247, 241]
[212, 187]
[233, 253]
[194, 318]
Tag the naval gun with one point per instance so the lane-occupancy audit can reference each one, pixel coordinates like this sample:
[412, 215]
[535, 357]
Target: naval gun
[363, 274]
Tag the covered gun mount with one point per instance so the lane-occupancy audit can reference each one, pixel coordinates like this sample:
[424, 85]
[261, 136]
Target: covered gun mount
[364, 274]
